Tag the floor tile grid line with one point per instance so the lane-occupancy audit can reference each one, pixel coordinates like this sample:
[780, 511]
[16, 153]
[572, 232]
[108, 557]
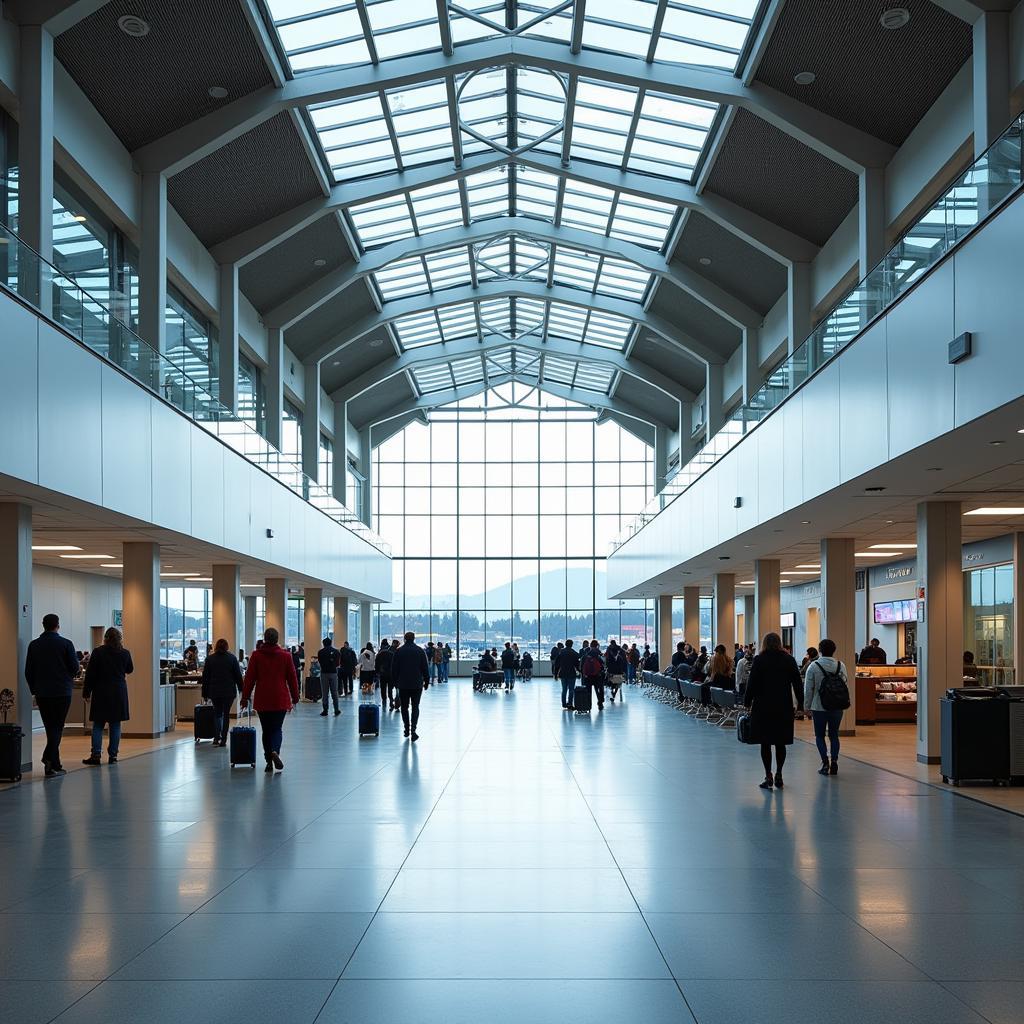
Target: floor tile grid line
[412, 846]
[625, 881]
[92, 988]
[823, 895]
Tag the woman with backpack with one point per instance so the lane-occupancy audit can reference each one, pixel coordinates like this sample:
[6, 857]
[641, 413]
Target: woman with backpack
[826, 696]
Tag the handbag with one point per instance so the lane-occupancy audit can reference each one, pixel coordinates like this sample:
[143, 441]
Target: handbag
[746, 729]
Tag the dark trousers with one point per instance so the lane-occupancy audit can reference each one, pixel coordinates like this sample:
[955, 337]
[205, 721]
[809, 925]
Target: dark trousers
[598, 689]
[410, 698]
[830, 721]
[271, 723]
[54, 713]
[766, 757]
[329, 688]
[346, 684]
[568, 686]
[222, 714]
[386, 691]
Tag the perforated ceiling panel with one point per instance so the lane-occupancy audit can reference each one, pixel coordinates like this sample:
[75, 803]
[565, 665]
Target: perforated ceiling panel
[678, 366]
[145, 88]
[657, 405]
[264, 172]
[380, 402]
[739, 268]
[355, 360]
[332, 318]
[879, 80]
[771, 174]
[695, 318]
[291, 266]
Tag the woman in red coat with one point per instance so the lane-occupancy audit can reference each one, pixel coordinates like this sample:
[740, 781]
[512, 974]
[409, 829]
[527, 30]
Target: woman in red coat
[272, 672]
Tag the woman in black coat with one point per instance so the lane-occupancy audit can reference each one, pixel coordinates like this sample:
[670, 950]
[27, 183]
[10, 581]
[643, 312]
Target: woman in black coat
[106, 688]
[222, 683]
[772, 685]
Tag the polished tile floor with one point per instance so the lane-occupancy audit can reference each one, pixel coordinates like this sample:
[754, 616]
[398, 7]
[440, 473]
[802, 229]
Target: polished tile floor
[518, 864]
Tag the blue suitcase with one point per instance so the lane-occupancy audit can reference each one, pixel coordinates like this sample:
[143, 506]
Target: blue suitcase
[369, 719]
[242, 749]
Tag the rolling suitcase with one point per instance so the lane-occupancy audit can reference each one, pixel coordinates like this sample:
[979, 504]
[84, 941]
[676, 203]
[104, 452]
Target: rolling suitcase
[204, 722]
[313, 690]
[242, 748]
[10, 752]
[369, 719]
[582, 700]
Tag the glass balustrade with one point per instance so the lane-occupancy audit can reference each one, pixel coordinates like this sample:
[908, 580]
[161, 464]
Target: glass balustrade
[58, 296]
[972, 197]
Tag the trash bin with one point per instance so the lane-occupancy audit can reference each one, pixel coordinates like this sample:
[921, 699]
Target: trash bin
[975, 735]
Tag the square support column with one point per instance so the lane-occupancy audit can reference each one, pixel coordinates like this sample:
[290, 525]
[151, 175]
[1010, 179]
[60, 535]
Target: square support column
[838, 619]
[226, 596]
[366, 467]
[140, 581]
[311, 421]
[341, 452]
[275, 606]
[275, 385]
[664, 637]
[940, 636]
[713, 407]
[725, 610]
[751, 362]
[767, 613]
[661, 451]
[249, 640]
[228, 336]
[691, 616]
[312, 620]
[871, 220]
[991, 77]
[15, 615]
[35, 158]
[153, 264]
[749, 620]
[687, 447]
[340, 620]
[798, 304]
[365, 623]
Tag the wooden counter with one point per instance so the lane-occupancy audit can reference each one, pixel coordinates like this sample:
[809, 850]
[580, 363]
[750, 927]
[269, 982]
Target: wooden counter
[874, 680]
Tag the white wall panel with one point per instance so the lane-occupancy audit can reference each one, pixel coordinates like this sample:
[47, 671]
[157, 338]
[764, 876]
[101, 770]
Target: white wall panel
[821, 434]
[127, 440]
[863, 404]
[80, 599]
[70, 448]
[19, 426]
[171, 469]
[207, 487]
[769, 468]
[237, 504]
[791, 465]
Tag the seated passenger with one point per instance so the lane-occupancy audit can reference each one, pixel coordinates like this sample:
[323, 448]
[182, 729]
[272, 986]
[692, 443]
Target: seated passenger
[486, 663]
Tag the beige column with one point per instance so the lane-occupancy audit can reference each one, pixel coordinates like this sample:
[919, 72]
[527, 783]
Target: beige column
[767, 617]
[15, 616]
[691, 615]
[312, 620]
[940, 636]
[340, 619]
[725, 610]
[664, 630]
[838, 617]
[141, 616]
[249, 640]
[226, 596]
[365, 623]
[749, 620]
[275, 590]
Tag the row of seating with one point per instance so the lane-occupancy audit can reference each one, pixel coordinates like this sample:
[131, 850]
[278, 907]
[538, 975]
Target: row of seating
[708, 703]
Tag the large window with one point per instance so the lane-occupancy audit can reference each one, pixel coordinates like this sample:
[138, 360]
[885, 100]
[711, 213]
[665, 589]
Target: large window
[186, 613]
[252, 395]
[988, 622]
[500, 512]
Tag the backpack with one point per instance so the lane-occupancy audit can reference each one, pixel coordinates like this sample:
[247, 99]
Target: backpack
[591, 667]
[833, 693]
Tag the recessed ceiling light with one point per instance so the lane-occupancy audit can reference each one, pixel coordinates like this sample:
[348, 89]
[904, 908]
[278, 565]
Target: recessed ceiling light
[250, 586]
[319, 262]
[1021, 431]
[217, 92]
[801, 572]
[891, 547]
[90, 558]
[201, 579]
[804, 77]
[134, 26]
[874, 490]
[78, 218]
[876, 554]
[894, 18]
[809, 565]
[995, 512]
[746, 583]
[335, 362]
[112, 565]
[995, 444]
[376, 342]
[55, 547]
[704, 261]
[785, 581]
[181, 575]
[805, 522]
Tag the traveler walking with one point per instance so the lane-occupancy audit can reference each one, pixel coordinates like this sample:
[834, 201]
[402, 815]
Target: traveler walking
[346, 668]
[565, 667]
[446, 660]
[411, 674]
[222, 682]
[592, 671]
[367, 668]
[527, 666]
[827, 696]
[810, 656]
[106, 688]
[271, 673]
[329, 660]
[431, 661]
[384, 680]
[773, 682]
[632, 663]
[615, 665]
[51, 665]
[508, 666]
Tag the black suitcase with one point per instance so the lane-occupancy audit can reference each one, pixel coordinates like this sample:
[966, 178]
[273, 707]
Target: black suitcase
[204, 722]
[242, 743]
[369, 719]
[582, 699]
[313, 690]
[10, 752]
[745, 731]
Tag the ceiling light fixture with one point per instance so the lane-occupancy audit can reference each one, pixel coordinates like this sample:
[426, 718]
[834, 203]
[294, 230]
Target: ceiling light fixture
[319, 262]
[805, 522]
[877, 554]
[802, 572]
[112, 565]
[785, 581]
[79, 218]
[55, 547]
[891, 547]
[804, 77]
[995, 444]
[704, 261]
[995, 512]
[894, 18]
[201, 579]
[180, 575]
[809, 565]
[746, 583]
[376, 342]
[134, 26]
[89, 558]
[217, 92]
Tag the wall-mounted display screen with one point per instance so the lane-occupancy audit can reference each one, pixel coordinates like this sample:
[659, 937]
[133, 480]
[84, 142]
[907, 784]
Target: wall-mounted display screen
[889, 613]
[788, 620]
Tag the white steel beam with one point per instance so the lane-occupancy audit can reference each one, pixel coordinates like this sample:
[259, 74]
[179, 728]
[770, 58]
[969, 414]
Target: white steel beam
[56, 16]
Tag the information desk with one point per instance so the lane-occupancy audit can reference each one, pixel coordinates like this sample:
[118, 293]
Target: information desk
[188, 693]
[886, 693]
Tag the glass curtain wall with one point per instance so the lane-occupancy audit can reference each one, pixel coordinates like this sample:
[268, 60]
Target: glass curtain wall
[988, 622]
[186, 613]
[252, 395]
[500, 513]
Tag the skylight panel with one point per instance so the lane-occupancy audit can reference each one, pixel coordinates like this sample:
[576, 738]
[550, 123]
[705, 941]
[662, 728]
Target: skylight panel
[417, 330]
[560, 371]
[468, 370]
[536, 193]
[319, 33]
[436, 207]
[488, 193]
[382, 221]
[458, 321]
[594, 377]
[619, 277]
[422, 124]
[355, 138]
[643, 221]
[601, 123]
[587, 207]
[407, 277]
[402, 27]
[465, 29]
[608, 330]
[496, 316]
[540, 106]
[448, 269]
[569, 322]
[483, 106]
[576, 269]
[707, 39]
[670, 135]
[622, 26]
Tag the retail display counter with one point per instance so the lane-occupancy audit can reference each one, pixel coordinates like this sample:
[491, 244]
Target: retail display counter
[886, 693]
[188, 693]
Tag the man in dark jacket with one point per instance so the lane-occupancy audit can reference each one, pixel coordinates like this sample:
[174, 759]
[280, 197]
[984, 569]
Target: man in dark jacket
[346, 667]
[567, 663]
[873, 654]
[329, 659]
[384, 680]
[50, 669]
[410, 673]
[508, 666]
[222, 682]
